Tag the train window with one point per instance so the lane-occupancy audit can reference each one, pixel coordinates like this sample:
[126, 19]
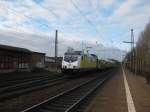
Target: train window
[70, 58]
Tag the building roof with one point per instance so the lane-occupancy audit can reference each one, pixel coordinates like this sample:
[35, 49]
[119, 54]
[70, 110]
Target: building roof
[38, 53]
[18, 49]
[12, 48]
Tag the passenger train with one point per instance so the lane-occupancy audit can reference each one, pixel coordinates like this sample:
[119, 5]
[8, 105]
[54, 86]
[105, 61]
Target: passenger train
[77, 61]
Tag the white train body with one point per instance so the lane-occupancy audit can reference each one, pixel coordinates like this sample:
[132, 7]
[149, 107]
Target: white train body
[71, 60]
[77, 61]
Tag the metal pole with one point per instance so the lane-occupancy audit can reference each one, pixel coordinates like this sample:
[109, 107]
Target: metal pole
[56, 46]
[133, 52]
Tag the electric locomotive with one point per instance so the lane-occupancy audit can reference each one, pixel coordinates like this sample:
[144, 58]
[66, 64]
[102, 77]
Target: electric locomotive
[76, 61]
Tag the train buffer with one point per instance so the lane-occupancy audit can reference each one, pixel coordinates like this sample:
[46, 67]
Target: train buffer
[124, 92]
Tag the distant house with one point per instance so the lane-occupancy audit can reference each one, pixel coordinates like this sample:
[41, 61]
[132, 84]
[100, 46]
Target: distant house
[51, 64]
[19, 59]
[37, 60]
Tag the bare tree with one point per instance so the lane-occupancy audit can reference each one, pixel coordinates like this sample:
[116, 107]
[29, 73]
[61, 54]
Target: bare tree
[143, 53]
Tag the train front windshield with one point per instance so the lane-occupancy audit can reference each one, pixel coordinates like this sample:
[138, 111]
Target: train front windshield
[70, 58]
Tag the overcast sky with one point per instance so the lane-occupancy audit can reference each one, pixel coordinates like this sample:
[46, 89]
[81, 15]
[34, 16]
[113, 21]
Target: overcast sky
[32, 23]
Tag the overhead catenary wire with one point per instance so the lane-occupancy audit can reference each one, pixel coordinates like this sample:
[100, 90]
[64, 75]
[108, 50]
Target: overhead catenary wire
[18, 15]
[46, 25]
[31, 18]
[86, 19]
[23, 15]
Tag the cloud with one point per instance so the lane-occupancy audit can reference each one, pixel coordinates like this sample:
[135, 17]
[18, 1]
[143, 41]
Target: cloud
[45, 44]
[36, 21]
[125, 7]
[42, 42]
[106, 3]
[130, 12]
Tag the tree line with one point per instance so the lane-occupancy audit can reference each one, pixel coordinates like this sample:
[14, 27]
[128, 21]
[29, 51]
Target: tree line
[138, 59]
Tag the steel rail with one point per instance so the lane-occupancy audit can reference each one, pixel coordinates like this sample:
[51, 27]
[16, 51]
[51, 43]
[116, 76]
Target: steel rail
[6, 83]
[68, 100]
[25, 84]
[16, 90]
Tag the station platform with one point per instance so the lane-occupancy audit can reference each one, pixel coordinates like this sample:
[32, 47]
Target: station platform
[124, 92]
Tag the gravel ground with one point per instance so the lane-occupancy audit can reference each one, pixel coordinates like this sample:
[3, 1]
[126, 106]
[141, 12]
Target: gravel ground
[22, 102]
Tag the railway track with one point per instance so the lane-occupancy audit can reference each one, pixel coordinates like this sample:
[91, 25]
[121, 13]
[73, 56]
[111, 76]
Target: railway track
[19, 81]
[25, 87]
[69, 100]
[15, 81]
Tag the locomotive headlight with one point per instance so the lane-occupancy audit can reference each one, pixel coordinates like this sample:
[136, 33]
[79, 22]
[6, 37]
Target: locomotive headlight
[75, 66]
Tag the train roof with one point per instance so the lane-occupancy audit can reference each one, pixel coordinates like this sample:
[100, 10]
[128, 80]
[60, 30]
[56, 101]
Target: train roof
[74, 53]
